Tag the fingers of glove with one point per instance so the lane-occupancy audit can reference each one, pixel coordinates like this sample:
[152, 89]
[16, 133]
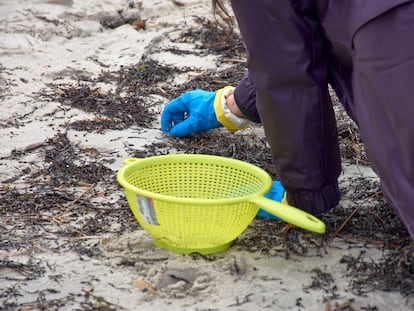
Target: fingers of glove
[184, 128]
[168, 122]
[174, 113]
[263, 214]
[276, 192]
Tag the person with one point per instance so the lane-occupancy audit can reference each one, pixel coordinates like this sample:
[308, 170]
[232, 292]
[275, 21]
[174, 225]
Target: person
[296, 48]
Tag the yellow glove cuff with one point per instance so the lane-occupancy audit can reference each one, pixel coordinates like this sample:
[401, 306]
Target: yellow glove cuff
[223, 114]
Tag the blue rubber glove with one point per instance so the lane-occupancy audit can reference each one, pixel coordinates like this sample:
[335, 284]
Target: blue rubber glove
[275, 193]
[191, 112]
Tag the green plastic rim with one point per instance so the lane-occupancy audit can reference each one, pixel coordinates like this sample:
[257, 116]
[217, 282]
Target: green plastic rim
[189, 251]
[133, 164]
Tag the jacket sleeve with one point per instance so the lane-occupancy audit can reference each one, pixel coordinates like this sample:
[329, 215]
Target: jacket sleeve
[245, 97]
[286, 62]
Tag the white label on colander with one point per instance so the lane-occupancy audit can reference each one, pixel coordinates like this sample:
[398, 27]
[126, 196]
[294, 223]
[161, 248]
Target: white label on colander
[146, 209]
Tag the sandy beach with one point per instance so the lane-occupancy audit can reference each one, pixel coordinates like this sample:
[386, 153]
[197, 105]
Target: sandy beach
[68, 238]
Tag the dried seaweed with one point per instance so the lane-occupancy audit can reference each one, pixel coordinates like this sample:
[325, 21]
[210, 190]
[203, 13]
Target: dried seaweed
[21, 271]
[128, 104]
[63, 170]
[113, 111]
[59, 195]
[214, 40]
[394, 272]
[143, 78]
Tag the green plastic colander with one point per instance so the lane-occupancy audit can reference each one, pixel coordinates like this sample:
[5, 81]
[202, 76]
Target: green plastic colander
[192, 203]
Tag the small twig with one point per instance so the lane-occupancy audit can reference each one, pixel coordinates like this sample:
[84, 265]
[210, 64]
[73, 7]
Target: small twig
[234, 60]
[100, 298]
[42, 249]
[33, 217]
[73, 203]
[239, 303]
[161, 90]
[376, 243]
[86, 237]
[15, 253]
[58, 222]
[336, 233]
[34, 146]
[84, 184]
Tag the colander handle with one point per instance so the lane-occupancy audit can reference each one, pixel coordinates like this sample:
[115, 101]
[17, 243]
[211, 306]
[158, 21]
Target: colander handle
[131, 160]
[290, 214]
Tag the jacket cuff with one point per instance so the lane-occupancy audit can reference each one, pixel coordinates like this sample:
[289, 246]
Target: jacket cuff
[315, 202]
[245, 97]
[223, 114]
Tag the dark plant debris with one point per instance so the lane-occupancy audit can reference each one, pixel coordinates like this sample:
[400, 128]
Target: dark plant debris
[211, 39]
[59, 194]
[63, 169]
[394, 272]
[58, 202]
[129, 103]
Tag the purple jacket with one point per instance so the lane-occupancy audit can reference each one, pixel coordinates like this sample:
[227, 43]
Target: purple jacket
[295, 49]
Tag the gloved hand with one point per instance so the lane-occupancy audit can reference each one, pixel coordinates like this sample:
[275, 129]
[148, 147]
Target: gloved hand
[198, 111]
[276, 193]
[191, 112]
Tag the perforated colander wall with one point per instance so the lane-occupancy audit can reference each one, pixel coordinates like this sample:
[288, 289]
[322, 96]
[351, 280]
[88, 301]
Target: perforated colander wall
[195, 180]
[187, 214]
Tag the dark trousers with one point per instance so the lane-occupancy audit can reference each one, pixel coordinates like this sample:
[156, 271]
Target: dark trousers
[383, 88]
[295, 49]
